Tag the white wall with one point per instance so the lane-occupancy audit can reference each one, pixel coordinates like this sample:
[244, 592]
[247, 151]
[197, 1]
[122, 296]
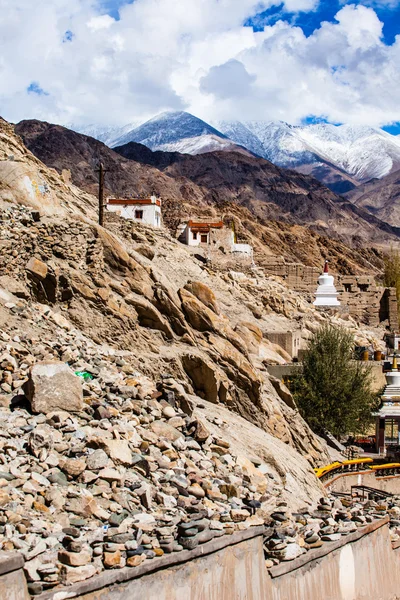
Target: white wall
[151, 212]
[243, 248]
[190, 241]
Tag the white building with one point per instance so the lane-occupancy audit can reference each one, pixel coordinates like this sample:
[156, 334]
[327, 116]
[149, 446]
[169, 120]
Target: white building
[213, 234]
[141, 210]
[198, 233]
[326, 294]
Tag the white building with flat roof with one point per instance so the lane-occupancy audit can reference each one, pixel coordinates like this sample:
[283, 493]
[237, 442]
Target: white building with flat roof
[141, 210]
[212, 233]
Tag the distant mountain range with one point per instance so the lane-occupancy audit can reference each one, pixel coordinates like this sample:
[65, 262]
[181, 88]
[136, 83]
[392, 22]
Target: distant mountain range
[279, 211]
[340, 156]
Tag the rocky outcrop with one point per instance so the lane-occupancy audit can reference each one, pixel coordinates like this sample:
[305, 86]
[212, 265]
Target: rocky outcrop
[176, 433]
[148, 314]
[104, 287]
[204, 294]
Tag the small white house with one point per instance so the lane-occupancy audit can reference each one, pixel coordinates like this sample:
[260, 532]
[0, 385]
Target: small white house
[197, 233]
[213, 234]
[141, 210]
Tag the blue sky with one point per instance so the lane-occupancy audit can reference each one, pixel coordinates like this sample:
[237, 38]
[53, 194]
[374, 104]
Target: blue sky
[326, 11]
[307, 20]
[113, 62]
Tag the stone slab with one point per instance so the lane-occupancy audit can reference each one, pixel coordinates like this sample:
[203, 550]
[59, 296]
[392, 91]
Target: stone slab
[10, 561]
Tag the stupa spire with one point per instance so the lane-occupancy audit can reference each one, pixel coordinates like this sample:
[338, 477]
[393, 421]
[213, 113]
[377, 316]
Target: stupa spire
[326, 267]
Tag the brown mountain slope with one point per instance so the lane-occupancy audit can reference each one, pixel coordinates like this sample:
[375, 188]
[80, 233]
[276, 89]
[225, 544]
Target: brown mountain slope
[270, 205]
[381, 197]
[334, 178]
[268, 191]
[65, 150]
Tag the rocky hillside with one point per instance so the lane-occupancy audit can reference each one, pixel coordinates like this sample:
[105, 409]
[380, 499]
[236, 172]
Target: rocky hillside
[137, 414]
[271, 206]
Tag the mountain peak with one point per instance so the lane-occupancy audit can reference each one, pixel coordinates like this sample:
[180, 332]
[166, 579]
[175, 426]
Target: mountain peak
[165, 130]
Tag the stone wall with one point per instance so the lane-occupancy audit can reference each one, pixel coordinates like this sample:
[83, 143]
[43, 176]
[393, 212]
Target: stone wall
[342, 483]
[223, 569]
[363, 565]
[365, 301]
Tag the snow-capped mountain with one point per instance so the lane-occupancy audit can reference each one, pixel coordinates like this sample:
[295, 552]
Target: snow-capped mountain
[339, 155]
[176, 132]
[361, 152]
[107, 135]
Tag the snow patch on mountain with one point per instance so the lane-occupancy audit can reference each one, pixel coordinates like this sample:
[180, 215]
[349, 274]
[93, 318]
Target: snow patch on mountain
[198, 145]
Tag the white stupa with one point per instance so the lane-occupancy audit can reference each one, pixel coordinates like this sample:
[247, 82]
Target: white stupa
[326, 294]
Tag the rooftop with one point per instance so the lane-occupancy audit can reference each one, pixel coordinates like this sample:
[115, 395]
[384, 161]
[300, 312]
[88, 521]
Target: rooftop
[134, 201]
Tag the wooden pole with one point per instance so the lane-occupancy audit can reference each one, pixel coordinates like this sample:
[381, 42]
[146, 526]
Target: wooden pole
[101, 194]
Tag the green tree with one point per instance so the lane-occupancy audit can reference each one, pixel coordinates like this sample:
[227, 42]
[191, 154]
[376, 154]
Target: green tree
[332, 390]
[391, 274]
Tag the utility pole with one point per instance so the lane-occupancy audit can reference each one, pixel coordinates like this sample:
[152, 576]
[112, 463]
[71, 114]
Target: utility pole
[101, 171]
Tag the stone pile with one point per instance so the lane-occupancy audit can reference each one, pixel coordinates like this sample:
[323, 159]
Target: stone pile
[105, 469]
[289, 535]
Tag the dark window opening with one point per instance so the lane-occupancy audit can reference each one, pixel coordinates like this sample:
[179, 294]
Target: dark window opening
[363, 287]
[195, 235]
[347, 287]
[138, 214]
[204, 238]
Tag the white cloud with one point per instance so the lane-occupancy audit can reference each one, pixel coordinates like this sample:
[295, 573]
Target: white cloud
[100, 22]
[194, 55]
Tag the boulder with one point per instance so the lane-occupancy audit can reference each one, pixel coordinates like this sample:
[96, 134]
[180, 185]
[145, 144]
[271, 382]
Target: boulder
[15, 286]
[146, 251]
[53, 386]
[238, 369]
[204, 294]
[117, 450]
[70, 575]
[283, 392]
[204, 377]
[166, 305]
[37, 267]
[199, 316]
[166, 431]
[249, 336]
